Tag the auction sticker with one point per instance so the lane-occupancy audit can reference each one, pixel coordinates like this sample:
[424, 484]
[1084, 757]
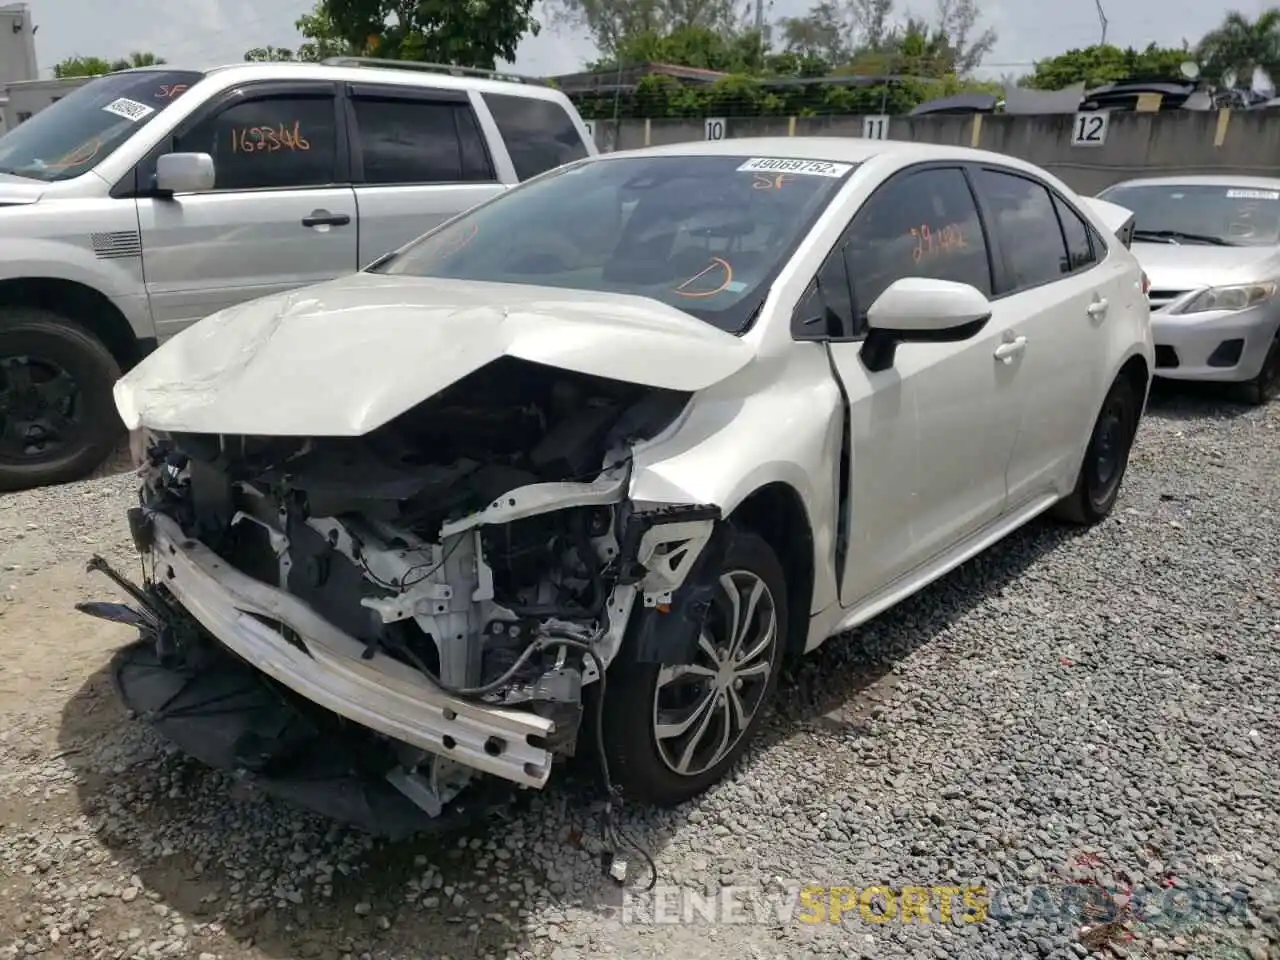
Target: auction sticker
[807, 168]
[1253, 195]
[129, 109]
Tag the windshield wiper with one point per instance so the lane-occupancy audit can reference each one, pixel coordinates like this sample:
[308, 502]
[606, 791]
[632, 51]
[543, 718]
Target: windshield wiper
[1175, 236]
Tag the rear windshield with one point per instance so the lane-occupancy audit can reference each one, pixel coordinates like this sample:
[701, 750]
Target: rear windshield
[1221, 214]
[705, 234]
[86, 126]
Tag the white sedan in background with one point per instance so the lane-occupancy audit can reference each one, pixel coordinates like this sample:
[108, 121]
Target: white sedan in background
[622, 437]
[1211, 247]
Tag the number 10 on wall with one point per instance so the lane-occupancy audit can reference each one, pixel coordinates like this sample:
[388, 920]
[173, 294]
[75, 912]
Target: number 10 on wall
[1090, 129]
[875, 128]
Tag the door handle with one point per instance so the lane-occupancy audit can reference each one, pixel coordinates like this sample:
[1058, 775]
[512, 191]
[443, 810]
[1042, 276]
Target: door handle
[323, 218]
[1098, 309]
[1010, 349]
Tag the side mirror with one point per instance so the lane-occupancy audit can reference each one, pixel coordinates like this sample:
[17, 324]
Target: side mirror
[921, 310]
[184, 173]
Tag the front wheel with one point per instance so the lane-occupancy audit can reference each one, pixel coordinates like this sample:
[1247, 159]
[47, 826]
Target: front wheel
[671, 731]
[58, 421]
[1106, 458]
[1265, 387]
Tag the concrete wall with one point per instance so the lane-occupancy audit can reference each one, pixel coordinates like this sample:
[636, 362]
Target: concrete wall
[27, 99]
[1136, 144]
[17, 44]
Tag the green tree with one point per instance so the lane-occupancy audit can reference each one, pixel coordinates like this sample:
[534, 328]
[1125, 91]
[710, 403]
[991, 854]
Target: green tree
[96, 66]
[476, 33]
[1104, 63]
[324, 37]
[466, 34]
[137, 59]
[856, 36]
[82, 67]
[826, 32]
[613, 24]
[699, 47]
[269, 54]
[1241, 46]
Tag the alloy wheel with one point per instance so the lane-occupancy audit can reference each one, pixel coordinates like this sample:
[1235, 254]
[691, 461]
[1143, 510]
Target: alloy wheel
[702, 709]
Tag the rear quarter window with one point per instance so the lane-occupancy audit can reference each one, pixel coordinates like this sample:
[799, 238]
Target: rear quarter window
[539, 134]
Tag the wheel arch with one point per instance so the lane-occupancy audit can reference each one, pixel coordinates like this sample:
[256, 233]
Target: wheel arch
[776, 512]
[1138, 373]
[81, 304]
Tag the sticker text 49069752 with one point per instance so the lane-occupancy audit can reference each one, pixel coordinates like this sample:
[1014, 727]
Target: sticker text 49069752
[789, 165]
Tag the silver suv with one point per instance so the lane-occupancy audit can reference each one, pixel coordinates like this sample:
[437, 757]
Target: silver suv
[148, 199]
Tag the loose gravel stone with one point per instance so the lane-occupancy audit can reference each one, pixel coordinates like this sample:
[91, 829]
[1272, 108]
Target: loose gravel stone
[1069, 713]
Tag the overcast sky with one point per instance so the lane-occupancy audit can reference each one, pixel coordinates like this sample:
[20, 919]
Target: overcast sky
[203, 33]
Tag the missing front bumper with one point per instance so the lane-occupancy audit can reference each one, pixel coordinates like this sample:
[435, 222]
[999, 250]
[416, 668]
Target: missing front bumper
[288, 642]
[228, 716]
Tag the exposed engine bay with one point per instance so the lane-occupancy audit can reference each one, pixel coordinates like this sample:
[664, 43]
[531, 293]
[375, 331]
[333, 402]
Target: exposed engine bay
[440, 592]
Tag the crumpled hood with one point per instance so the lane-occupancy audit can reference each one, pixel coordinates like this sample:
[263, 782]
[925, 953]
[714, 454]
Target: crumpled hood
[16, 190]
[1190, 266]
[345, 357]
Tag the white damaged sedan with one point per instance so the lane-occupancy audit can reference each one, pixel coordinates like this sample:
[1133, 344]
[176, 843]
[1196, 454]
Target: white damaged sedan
[585, 463]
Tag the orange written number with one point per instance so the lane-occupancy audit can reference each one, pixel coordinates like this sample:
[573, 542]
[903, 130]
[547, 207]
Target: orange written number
[931, 242]
[282, 136]
[168, 91]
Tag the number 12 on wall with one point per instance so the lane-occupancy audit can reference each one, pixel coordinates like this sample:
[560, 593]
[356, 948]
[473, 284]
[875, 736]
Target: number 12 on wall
[1090, 129]
[875, 128]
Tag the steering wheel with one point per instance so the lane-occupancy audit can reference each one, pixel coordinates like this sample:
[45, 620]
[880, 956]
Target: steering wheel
[552, 254]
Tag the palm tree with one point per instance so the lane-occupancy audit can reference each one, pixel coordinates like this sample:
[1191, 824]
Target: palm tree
[1241, 47]
[137, 59]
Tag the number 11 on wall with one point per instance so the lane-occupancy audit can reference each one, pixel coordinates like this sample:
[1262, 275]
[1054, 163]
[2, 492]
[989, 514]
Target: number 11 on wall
[1090, 129]
[875, 128]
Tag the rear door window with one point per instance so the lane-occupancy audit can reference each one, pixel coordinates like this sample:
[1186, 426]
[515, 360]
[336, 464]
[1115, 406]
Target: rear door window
[1026, 223]
[539, 134]
[413, 141]
[1080, 253]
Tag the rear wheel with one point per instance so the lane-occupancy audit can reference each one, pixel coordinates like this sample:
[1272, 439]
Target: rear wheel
[57, 418]
[670, 732]
[1265, 387]
[1106, 458]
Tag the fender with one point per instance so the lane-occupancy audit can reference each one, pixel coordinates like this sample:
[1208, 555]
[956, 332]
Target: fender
[779, 420]
[24, 258]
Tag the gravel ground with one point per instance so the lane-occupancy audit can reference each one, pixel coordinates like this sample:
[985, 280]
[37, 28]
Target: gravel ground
[1097, 707]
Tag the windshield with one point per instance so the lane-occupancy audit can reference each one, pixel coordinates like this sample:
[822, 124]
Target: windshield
[1197, 213]
[82, 129]
[704, 234]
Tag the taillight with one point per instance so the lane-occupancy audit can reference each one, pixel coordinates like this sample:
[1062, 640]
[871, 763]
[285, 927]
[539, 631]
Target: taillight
[1146, 283]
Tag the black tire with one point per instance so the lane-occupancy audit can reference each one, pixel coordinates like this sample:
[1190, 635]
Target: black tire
[1265, 387]
[1105, 459]
[90, 428]
[630, 710]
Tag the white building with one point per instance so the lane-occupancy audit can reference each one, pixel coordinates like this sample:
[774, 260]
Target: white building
[17, 53]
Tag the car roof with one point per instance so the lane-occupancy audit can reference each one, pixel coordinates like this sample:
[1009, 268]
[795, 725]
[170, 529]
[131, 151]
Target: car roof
[1203, 180]
[441, 80]
[835, 149]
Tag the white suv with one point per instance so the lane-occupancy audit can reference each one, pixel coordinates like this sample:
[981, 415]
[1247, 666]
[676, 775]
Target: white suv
[148, 199]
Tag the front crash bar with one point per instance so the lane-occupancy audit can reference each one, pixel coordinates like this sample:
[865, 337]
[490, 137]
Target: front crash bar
[327, 666]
